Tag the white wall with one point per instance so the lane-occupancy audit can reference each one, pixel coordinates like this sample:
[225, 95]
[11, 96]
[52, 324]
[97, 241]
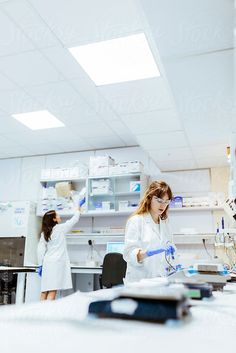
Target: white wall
[19, 177]
[19, 180]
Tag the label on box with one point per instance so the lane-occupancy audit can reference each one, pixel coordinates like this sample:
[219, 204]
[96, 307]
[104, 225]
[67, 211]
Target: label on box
[135, 186]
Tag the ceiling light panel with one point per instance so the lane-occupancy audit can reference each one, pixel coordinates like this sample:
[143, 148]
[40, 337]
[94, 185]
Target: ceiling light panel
[38, 120]
[117, 60]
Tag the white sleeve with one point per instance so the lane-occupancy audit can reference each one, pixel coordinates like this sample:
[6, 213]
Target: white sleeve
[132, 241]
[68, 225]
[41, 250]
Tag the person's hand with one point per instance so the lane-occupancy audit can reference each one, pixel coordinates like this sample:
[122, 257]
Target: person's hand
[170, 250]
[40, 270]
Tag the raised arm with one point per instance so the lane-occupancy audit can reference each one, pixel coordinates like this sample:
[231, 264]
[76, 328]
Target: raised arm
[68, 225]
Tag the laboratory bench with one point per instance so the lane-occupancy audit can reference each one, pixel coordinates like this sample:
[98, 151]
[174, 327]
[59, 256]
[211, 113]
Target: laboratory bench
[85, 279]
[13, 287]
[64, 326]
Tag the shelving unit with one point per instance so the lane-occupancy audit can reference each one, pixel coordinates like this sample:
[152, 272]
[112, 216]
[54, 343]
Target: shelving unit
[53, 181]
[117, 200]
[196, 208]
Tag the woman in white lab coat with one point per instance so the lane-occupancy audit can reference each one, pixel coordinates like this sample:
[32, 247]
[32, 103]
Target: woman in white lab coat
[148, 239]
[53, 255]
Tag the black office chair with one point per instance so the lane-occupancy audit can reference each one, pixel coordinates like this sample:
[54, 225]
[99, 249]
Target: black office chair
[113, 270]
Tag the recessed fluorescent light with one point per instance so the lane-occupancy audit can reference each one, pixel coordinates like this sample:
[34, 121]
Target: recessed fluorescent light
[41, 119]
[117, 60]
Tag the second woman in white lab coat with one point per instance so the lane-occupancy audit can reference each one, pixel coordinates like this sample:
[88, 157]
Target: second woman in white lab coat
[148, 239]
[53, 255]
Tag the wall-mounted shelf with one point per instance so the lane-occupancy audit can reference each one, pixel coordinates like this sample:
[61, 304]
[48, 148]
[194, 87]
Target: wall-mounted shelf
[114, 176]
[97, 238]
[43, 181]
[103, 238]
[94, 213]
[108, 213]
[196, 208]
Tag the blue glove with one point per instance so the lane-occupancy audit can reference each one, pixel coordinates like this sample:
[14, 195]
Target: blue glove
[40, 270]
[155, 252]
[82, 202]
[170, 250]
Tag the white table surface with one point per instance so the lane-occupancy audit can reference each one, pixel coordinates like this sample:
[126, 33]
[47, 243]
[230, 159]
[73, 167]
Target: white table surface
[63, 326]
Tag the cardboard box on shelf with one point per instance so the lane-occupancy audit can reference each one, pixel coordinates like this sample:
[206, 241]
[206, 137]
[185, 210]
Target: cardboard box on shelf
[101, 186]
[99, 171]
[114, 169]
[135, 167]
[123, 205]
[176, 202]
[100, 164]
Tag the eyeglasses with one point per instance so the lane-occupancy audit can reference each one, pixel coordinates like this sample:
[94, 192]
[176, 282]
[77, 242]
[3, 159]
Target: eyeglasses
[162, 202]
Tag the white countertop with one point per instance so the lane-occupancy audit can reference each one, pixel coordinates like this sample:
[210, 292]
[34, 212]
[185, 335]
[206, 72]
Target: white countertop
[63, 326]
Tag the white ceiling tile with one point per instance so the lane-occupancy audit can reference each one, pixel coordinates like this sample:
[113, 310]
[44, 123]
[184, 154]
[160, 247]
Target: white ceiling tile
[171, 154]
[202, 84]
[105, 142]
[17, 102]
[212, 162]
[64, 62]
[6, 141]
[96, 130]
[129, 139]
[177, 165]
[209, 151]
[190, 26]
[30, 22]
[152, 122]
[119, 127]
[32, 138]
[57, 135]
[79, 22]
[8, 124]
[138, 96]
[17, 151]
[71, 146]
[12, 39]
[29, 69]
[164, 140]
[201, 134]
[64, 102]
[46, 148]
[6, 84]
[87, 89]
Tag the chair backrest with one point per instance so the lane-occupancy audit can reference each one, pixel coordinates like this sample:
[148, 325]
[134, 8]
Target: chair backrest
[113, 270]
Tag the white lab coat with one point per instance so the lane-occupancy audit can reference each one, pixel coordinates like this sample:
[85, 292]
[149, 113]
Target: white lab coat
[53, 256]
[143, 233]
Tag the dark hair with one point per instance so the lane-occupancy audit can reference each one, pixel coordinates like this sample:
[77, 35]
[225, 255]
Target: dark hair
[156, 188]
[48, 223]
